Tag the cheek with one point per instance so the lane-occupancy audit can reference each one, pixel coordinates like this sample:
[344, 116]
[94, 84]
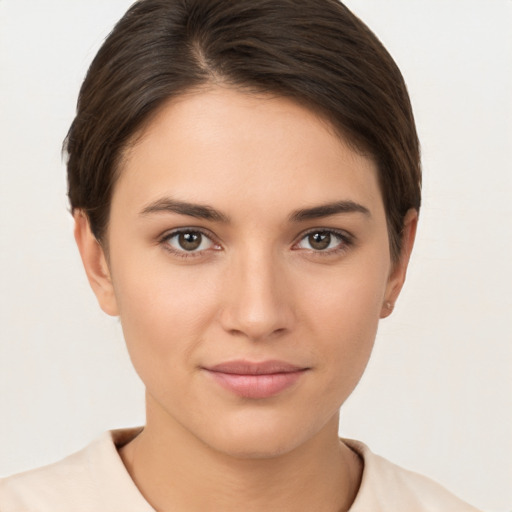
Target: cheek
[343, 317]
[163, 311]
[347, 301]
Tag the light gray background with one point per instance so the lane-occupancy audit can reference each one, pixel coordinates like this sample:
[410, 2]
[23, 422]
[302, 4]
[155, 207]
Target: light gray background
[437, 396]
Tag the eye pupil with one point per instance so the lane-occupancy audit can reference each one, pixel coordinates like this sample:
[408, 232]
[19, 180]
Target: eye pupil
[190, 240]
[320, 240]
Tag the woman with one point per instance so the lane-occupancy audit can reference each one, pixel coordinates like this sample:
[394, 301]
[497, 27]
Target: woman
[245, 183]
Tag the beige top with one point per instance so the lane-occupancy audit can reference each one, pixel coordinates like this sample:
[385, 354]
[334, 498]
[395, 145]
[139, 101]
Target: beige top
[95, 480]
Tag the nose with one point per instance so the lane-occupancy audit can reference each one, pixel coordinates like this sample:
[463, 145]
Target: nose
[258, 304]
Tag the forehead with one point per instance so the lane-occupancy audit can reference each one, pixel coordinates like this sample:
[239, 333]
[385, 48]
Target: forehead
[219, 144]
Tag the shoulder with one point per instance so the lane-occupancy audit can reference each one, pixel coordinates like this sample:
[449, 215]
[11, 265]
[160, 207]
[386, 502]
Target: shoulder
[53, 485]
[90, 479]
[386, 487]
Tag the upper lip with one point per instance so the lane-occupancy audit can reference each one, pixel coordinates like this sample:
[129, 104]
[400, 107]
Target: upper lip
[241, 367]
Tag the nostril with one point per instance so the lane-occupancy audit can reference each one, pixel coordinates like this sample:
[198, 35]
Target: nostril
[258, 334]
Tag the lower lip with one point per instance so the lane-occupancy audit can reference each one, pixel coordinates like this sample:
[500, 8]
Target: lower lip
[257, 386]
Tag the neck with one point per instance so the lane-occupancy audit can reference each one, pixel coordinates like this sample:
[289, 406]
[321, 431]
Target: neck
[176, 471]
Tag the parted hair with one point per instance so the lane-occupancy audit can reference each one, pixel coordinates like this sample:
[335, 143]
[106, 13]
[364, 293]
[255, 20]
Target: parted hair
[315, 52]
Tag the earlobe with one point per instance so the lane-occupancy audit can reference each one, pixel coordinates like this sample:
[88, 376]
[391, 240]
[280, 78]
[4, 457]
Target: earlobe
[399, 271]
[95, 264]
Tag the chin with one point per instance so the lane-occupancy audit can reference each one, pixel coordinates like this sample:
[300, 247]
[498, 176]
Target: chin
[259, 436]
[253, 446]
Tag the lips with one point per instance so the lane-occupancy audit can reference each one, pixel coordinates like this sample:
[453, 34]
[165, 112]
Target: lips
[256, 380]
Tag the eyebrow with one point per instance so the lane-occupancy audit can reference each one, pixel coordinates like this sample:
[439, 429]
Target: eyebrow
[200, 211]
[183, 208]
[328, 209]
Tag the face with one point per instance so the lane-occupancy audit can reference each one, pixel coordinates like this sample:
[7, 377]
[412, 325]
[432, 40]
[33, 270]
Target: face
[249, 264]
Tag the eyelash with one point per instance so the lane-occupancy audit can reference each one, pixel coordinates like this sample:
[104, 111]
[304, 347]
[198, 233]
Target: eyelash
[164, 240]
[345, 242]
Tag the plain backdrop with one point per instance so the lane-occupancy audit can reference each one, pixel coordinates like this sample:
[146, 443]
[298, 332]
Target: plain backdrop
[437, 395]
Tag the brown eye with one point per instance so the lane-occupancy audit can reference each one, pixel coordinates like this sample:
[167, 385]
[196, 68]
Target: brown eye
[190, 241]
[324, 240]
[319, 241]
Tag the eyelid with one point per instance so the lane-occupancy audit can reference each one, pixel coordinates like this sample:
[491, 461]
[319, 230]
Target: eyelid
[347, 240]
[165, 237]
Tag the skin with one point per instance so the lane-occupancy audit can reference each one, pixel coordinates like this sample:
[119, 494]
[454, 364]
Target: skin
[258, 288]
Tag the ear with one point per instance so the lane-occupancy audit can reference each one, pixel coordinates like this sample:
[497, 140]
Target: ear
[95, 264]
[397, 276]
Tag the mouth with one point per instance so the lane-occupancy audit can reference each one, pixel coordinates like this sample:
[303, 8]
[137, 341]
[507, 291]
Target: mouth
[256, 380]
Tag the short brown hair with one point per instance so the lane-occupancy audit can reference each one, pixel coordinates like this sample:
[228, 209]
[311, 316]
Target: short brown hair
[314, 51]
